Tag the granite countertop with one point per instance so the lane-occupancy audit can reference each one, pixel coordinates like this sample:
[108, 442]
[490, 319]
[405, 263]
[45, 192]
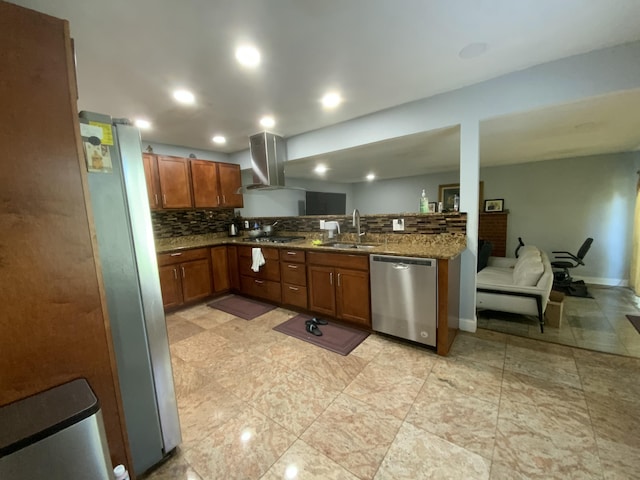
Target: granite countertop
[441, 246]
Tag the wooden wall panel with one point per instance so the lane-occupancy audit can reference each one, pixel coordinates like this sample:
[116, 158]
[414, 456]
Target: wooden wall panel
[53, 323]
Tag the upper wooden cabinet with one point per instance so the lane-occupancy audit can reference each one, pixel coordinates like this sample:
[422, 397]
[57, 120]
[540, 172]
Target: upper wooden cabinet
[175, 182]
[230, 182]
[215, 184]
[153, 181]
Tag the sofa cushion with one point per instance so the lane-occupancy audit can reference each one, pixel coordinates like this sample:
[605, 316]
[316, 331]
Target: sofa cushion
[528, 249]
[528, 270]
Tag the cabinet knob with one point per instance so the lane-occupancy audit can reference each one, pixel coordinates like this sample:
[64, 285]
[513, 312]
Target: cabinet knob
[260, 282]
[294, 288]
[292, 266]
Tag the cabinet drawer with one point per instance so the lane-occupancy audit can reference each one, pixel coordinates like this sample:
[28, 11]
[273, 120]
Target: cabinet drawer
[344, 260]
[261, 288]
[295, 295]
[296, 256]
[269, 271]
[172, 258]
[267, 253]
[294, 273]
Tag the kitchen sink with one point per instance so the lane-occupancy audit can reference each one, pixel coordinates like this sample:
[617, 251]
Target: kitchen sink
[357, 246]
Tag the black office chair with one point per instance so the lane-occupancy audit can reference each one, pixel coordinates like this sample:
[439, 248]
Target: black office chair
[562, 279]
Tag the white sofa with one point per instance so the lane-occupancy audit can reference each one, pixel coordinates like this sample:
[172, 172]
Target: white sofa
[516, 285]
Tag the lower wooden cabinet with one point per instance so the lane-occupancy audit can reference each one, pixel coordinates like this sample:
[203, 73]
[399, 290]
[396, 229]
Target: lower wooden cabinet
[220, 269]
[293, 274]
[338, 285]
[184, 276]
[265, 283]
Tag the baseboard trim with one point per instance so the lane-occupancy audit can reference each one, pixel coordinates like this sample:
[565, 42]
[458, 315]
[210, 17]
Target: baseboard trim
[609, 282]
[468, 325]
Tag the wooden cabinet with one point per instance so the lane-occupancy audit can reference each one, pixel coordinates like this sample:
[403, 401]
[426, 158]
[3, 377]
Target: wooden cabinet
[175, 182]
[220, 269]
[234, 272]
[265, 283]
[338, 285]
[184, 276]
[230, 181]
[54, 325]
[153, 181]
[293, 274]
[493, 228]
[215, 184]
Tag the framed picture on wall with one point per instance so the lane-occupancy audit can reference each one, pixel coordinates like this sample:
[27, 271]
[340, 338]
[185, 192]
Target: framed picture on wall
[494, 205]
[447, 193]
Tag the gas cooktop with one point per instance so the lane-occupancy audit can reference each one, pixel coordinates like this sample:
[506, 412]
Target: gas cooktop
[272, 239]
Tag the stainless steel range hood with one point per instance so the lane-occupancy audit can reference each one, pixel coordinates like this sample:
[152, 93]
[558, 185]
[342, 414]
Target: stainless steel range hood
[268, 155]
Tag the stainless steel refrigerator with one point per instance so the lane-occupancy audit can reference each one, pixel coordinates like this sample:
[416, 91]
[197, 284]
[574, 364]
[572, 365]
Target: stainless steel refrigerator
[122, 218]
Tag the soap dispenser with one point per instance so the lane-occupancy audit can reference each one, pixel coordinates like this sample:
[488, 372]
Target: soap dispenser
[424, 202]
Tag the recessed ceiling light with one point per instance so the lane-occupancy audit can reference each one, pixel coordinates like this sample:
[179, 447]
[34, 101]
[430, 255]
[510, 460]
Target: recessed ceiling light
[248, 56]
[331, 100]
[371, 176]
[473, 50]
[184, 96]
[219, 139]
[320, 169]
[142, 124]
[267, 121]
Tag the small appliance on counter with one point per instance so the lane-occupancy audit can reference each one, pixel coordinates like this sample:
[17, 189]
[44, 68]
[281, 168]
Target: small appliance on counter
[234, 229]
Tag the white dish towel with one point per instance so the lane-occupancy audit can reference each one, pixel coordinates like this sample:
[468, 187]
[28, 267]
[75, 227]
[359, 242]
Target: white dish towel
[258, 259]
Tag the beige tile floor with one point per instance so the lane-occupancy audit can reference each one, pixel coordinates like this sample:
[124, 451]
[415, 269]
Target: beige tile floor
[256, 404]
[597, 323]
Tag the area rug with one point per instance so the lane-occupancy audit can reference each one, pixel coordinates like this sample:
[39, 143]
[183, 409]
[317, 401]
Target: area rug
[241, 307]
[635, 321]
[337, 338]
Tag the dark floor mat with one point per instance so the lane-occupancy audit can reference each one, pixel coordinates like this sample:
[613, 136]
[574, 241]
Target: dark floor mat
[241, 307]
[337, 338]
[635, 321]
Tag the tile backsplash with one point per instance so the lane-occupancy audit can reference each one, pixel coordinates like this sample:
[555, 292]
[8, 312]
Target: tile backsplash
[179, 223]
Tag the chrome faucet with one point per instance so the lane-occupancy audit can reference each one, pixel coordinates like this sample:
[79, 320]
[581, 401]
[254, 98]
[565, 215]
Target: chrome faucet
[356, 223]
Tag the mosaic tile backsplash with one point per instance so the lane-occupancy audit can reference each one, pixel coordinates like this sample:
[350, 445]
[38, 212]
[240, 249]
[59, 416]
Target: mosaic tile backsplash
[178, 223]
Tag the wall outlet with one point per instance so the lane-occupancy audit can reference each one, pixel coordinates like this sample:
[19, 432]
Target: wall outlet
[246, 224]
[398, 224]
[321, 224]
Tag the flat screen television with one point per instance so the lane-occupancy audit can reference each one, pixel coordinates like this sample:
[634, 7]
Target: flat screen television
[326, 203]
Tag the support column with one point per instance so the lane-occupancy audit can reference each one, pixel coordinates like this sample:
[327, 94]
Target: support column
[469, 203]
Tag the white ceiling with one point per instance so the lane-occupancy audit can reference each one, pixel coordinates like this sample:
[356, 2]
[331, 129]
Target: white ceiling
[378, 53]
[604, 124]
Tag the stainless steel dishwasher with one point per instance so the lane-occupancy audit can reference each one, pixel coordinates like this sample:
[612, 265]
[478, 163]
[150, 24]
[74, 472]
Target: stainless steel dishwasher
[404, 300]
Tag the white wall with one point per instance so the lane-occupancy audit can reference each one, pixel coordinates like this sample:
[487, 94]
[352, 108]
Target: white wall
[399, 195]
[178, 151]
[276, 203]
[557, 204]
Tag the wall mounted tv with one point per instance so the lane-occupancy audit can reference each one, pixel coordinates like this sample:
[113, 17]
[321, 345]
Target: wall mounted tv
[326, 203]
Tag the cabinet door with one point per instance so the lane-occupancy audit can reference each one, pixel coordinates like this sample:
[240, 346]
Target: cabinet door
[174, 182]
[204, 178]
[171, 286]
[196, 280]
[321, 294]
[230, 182]
[220, 268]
[352, 296]
[234, 272]
[153, 182]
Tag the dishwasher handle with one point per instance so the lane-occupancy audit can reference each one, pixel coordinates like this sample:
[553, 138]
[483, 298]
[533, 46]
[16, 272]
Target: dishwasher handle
[401, 266]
